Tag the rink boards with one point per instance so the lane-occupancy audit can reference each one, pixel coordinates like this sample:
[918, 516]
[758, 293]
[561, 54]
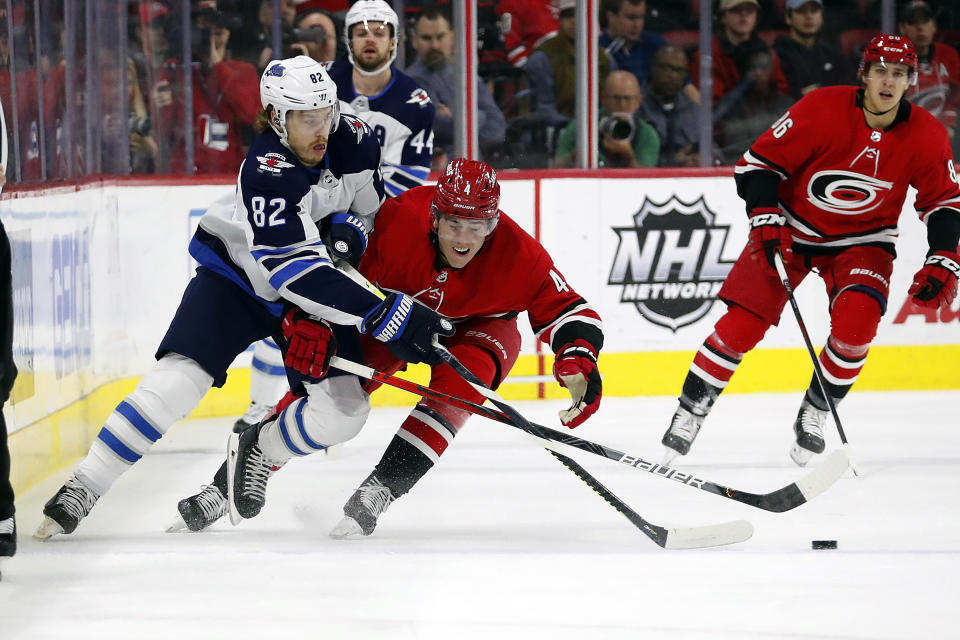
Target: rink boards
[99, 268]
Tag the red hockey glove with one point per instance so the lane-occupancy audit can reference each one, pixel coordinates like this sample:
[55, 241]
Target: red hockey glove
[575, 367]
[310, 343]
[769, 233]
[935, 285]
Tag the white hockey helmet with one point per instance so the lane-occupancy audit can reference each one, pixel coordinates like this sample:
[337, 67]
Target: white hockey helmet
[297, 84]
[371, 11]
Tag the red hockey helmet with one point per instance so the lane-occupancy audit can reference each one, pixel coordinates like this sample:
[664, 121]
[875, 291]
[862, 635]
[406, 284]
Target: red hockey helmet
[468, 189]
[888, 49]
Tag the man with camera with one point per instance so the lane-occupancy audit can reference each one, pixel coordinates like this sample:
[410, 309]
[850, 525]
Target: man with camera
[626, 139]
[314, 34]
[225, 97]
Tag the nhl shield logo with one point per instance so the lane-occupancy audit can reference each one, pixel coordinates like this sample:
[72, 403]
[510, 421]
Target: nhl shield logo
[668, 264]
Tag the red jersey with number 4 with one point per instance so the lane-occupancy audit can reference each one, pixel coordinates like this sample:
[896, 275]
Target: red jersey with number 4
[843, 183]
[511, 273]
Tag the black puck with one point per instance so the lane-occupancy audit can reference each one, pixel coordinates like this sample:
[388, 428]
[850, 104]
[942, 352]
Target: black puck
[824, 544]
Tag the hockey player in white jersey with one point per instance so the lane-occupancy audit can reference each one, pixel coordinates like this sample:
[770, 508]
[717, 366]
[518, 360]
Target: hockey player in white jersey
[397, 109]
[401, 115]
[260, 250]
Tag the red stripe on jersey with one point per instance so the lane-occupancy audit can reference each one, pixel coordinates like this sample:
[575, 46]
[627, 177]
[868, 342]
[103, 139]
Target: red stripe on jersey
[426, 434]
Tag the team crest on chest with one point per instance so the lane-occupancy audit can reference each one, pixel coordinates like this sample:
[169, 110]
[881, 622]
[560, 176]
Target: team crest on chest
[846, 192]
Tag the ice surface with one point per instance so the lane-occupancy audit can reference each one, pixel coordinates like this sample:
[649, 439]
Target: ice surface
[500, 541]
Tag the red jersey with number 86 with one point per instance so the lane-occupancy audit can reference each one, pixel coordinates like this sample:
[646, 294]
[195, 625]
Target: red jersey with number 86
[843, 183]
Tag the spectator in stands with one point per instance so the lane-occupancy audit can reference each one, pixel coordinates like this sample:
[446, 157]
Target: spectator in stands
[524, 25]
[226, 98]
[434, 71]
[628, 45]
[743, 114]
[808, 60]
[258, 46]
[669, 110]
[143, 148]
[938, 78]
[551, 70]
[626, 139]
[315, 35]
[734, 45]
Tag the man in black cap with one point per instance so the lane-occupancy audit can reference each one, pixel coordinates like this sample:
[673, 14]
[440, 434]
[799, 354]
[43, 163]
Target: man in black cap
[808, 60]
[937, 88]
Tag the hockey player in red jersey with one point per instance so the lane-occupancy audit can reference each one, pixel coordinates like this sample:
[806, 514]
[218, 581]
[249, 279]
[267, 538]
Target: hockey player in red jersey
[825, 186]
[454, 251]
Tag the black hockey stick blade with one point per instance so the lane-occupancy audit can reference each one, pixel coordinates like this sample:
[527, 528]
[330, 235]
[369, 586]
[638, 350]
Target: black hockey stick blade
[674, 538]
[783, 499]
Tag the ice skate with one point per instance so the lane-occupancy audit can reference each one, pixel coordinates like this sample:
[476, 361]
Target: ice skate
[678, 438]
[362, 510]
[809, 433]
[255, 414]
[200, 511]
[8, 537]
[64, 511]
[247, 474]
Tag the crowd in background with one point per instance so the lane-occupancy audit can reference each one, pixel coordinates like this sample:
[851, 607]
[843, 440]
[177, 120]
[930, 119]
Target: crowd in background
[103, 87]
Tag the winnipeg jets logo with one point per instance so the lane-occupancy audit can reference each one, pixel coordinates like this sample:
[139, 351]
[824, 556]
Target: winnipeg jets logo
[273, 163]
[846, 192]
[420, 97]
[356, 125]
[276, 70]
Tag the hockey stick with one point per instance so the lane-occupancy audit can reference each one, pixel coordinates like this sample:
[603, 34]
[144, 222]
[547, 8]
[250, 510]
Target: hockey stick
[784, 499]
[674, 538]
[818, 372]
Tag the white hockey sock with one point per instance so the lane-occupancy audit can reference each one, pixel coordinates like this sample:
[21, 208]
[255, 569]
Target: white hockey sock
[170, 391]
[268, 377]
[334, 411]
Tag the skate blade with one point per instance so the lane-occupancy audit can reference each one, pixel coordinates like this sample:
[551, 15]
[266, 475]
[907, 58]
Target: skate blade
[800, 456]
[347, 529]
[233, 445]
[178, 526]
[47, 530]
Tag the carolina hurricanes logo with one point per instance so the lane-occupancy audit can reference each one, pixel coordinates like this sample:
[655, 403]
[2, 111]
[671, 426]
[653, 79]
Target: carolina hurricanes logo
[846, 192]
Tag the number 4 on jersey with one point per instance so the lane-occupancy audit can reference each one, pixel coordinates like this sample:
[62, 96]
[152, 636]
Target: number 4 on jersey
[558, 281]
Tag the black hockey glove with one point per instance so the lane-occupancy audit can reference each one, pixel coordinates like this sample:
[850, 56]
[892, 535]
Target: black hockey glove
[347, 238]
[407, 327]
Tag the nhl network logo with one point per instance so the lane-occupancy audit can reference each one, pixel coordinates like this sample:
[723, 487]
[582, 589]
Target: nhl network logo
[668, 264]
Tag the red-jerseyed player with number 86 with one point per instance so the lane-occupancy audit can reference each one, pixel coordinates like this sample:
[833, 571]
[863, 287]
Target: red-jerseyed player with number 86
[824, 186]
